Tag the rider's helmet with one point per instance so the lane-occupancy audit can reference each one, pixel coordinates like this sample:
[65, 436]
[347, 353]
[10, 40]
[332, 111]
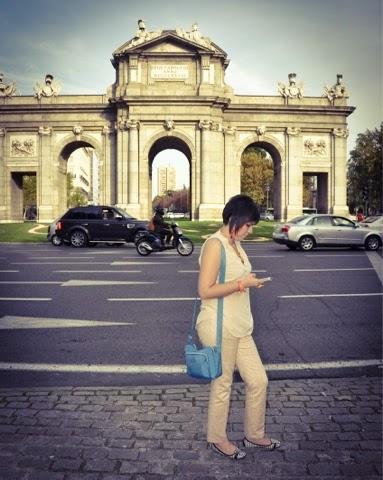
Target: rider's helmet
[159, 210]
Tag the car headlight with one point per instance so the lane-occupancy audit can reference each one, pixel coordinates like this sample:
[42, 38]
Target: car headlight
[130, 225]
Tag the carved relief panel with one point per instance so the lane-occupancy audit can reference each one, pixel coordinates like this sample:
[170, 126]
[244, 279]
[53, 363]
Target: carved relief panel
[22, 146]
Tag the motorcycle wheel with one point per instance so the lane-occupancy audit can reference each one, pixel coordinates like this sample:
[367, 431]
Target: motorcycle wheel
[141, 247]
[185, 247]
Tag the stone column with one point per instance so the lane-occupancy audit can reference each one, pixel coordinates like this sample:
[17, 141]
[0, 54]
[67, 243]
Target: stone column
[122, 163]
[338, 195]
[212, 171]
[4, 207]
[293, 172]
[232, 165]
[133, 166]
[45, 176]
[204, 126]
[108, 181]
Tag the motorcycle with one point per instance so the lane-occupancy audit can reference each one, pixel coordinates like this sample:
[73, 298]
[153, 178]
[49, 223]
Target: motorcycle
[150, 242]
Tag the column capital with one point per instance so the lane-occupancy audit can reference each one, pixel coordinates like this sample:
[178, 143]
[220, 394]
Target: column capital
[108, 129]
[44, 130]
[340, 132]
[2, 132]
[293, 131]
[132, 125]
[205, 124]
[229, 130]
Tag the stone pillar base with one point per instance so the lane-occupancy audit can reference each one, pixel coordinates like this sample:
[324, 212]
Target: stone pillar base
[293, 211]
[341, 210]
[210, 211]
[45, 214]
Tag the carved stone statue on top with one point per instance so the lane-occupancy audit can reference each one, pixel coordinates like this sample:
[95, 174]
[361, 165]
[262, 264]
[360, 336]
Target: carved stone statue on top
[195, 36]
[50, 88]
[293, 89]
[142, 35]
[6, 90]
[336, 91]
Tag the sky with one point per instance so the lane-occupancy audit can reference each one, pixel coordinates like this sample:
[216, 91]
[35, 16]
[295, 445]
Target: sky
[265, 40]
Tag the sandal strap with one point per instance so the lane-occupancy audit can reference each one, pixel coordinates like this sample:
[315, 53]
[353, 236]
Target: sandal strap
[272, 446]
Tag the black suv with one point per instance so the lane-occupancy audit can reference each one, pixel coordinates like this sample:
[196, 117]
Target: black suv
[80, 226]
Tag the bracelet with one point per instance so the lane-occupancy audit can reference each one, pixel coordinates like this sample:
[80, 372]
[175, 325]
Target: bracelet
[241, 287]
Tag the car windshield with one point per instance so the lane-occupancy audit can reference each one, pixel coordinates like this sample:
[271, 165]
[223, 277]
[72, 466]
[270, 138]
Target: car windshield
[299, 219]
[371, 219]
[122, 213]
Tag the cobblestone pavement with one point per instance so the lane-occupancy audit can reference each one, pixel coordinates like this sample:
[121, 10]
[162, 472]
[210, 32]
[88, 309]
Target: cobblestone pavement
[330, 429]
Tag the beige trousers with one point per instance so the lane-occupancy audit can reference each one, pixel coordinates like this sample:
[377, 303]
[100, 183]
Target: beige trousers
[243, 354]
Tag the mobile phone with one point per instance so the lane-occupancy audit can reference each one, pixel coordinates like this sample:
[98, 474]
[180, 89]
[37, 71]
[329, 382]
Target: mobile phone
[266, 279]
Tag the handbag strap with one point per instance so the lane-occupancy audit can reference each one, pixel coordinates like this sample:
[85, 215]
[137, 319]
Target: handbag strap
[221, 279]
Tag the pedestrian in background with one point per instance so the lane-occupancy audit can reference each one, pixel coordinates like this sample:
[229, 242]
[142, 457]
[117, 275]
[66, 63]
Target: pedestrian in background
[239, 215]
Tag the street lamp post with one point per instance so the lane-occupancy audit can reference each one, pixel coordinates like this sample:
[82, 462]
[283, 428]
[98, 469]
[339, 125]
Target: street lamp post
[267, 188]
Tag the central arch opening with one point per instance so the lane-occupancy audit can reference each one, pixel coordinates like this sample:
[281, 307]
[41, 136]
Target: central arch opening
[260, 176]
[170, 177]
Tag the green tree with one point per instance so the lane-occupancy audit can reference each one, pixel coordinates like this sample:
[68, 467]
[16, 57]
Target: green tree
[75, 196]
[364, 175]
[257, 175]
[29, 189]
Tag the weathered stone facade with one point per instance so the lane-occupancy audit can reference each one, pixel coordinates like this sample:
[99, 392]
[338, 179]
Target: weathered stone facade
[170, 93]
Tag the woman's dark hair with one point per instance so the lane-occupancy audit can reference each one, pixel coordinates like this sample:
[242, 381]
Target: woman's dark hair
[239, 210]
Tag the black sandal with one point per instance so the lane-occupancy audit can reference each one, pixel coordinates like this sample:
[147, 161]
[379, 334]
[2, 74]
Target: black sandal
[237, 455]
[274, 444]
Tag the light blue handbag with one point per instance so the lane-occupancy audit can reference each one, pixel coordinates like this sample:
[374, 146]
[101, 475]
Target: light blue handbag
[206, 362]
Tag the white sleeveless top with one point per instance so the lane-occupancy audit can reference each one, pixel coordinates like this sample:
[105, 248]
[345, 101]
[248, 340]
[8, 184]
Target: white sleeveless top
[237, 317]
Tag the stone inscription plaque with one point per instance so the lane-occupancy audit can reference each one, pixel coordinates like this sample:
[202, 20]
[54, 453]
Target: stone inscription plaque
[169, 72]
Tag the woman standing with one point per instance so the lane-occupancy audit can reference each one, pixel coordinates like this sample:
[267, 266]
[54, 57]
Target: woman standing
[238, 347]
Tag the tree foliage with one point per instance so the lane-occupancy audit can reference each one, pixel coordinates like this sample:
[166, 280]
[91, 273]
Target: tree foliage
[174, 200]
[75, 196]
[257, 175]
[29, 190]
[364, 175]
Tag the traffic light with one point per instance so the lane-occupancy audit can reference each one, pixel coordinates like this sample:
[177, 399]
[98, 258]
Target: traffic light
[365, 193]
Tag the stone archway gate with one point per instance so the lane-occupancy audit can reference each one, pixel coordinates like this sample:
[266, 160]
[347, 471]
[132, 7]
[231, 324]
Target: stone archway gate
[170, 83]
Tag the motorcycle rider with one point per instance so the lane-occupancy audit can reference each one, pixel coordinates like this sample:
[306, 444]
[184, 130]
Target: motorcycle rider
[161, 228]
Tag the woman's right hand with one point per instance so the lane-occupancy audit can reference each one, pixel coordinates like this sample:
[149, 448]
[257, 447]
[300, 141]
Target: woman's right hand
[251, 280]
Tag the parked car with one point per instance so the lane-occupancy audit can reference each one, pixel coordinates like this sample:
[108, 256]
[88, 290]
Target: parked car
[52, 236]
[81, 226]
[269, 217]
[374, 222]
[322, 230]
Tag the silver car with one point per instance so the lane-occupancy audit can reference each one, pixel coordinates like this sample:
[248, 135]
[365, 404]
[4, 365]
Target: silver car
[322, 230]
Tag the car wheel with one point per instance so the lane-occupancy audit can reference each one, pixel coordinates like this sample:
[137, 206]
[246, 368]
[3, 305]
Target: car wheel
[143, 247]
[372, 243]
[78, 239]
[306, 243]
[185, 247]
[138, 235]
[56, 241]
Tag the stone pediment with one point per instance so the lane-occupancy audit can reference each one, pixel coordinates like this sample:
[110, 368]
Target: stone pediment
[169, 41]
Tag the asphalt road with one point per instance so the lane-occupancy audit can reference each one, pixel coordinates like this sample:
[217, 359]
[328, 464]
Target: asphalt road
[321, 314]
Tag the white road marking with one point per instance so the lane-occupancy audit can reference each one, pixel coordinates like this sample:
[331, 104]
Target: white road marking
[266, 256]
[24, 299]
[332, 295]
[331, 269]
[314, 255]
[377, 262]
[197, 271]
[175, 369]
[60, 263]
[173, 299]
[95, 283]
[9, 271]
[22, 282]
[51, 258]
[10, 322]
[141, 263]
[97, 271]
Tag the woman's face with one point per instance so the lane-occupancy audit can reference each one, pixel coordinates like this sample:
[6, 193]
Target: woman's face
[243, 231]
